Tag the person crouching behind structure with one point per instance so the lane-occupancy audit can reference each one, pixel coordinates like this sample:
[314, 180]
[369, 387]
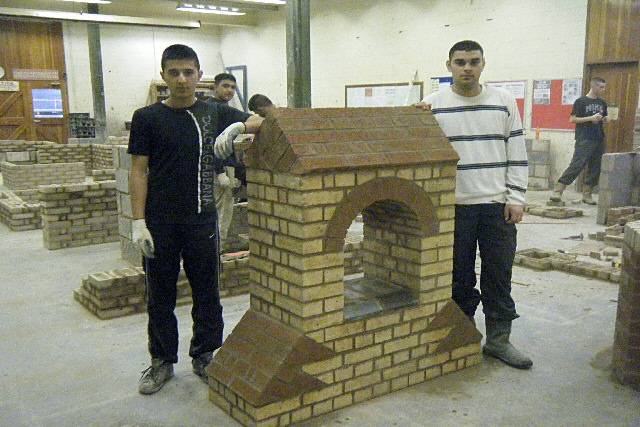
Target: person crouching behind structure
[173, 144]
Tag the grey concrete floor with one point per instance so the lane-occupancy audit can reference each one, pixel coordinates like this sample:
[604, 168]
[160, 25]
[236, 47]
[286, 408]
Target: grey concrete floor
[63, 367]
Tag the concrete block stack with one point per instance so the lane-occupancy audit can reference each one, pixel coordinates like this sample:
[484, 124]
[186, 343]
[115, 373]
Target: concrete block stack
[619, 183]
[21, 177]
[102, 156]
[18, 211]
[296, 354]
[66, 153]
[78, 214]
[626, 347]
[540, 164]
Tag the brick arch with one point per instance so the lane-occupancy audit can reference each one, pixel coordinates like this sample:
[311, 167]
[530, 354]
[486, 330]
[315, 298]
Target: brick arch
[379, 189]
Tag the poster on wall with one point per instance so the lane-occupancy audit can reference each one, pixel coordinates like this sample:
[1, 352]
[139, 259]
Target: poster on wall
[9, 86]
[439, 82]
[383, 94]
[542, 92]
[571, 90]
[517, 88]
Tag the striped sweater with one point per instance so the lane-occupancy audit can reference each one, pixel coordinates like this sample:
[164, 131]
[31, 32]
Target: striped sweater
[486, 131]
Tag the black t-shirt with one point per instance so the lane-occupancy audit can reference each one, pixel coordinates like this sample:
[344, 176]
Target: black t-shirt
[179, 143]
[585, 107]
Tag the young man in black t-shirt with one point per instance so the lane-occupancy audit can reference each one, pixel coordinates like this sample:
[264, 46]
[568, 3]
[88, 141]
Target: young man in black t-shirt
[175, 146]
[589, 114]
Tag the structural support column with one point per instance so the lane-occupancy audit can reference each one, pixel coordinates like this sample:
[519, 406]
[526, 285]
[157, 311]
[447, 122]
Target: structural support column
[298, 54]
[97, 81]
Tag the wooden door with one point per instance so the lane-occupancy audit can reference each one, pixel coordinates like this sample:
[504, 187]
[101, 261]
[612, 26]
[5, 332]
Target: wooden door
[32, 55]
[621, 91]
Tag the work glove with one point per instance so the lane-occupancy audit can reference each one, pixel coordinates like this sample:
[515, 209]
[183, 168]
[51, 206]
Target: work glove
[223, 180]
[223, 147]
[142, 237]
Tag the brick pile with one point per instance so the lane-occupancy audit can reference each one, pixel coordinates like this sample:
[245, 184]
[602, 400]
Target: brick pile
[102, 156]
[546, 260]
[626, 347]
[353, 255]
[103, 174]
[121, 292]
[540, 165]
[78, 214]
[622, 215]
[295, 354]
[619, 183]
[66, 153]
[238, 233]
[553, 212]
[18, 211]
[21, 177]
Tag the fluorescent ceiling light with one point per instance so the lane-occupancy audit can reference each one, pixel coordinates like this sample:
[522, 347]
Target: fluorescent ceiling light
[267, 1]
[203, 8]
[90, 1]
[99, 18]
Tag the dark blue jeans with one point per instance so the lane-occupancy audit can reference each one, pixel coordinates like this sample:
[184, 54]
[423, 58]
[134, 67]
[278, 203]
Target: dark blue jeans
[197, 245]
[483, 225]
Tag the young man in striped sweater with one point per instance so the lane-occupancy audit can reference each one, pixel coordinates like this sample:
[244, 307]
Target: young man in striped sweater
[483, 125]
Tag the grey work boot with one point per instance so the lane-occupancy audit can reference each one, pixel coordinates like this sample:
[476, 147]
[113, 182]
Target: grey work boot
[200, 363]
[155, 376]
[586, 196]
[498, 345]
[558, 189]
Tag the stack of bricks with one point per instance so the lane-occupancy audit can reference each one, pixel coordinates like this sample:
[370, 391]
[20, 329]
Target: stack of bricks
[78, 214]
[353, 255]
[117, 140]
[626, 347]
[295, 354]
[237, 235]
[66, 153]
[19, 211]
[103, 175]
[622, 215]
[619, 183]
[121, 292]
[122, 164]
[539, 155]
[21, 177]
[547, 260]
[20, 146]
[102, 156]
[556, 212]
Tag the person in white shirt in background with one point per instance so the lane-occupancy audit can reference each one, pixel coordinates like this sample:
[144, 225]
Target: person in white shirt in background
[484, 127]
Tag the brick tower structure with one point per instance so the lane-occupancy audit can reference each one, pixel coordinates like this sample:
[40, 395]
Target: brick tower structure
[314, 341]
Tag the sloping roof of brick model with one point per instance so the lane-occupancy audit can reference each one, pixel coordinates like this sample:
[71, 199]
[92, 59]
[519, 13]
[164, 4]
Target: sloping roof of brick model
[305, 140]
[262, 360]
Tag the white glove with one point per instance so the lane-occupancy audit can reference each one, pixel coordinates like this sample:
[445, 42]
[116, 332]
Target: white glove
[223, 180]
[223, 147]
[142, 237]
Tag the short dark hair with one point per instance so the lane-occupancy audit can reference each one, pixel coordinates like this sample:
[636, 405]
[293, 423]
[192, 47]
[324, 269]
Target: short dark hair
[258, 101]
[597, 80]
[179, 51]
[467, 46]
[224, 76]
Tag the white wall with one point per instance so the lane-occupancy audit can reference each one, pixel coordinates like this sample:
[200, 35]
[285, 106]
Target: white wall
[130, 61]
[365, 41]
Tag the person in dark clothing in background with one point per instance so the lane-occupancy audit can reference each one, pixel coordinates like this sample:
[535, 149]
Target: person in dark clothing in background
[260, 104]
[224, 88]
[174, 146]
[589, 114]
